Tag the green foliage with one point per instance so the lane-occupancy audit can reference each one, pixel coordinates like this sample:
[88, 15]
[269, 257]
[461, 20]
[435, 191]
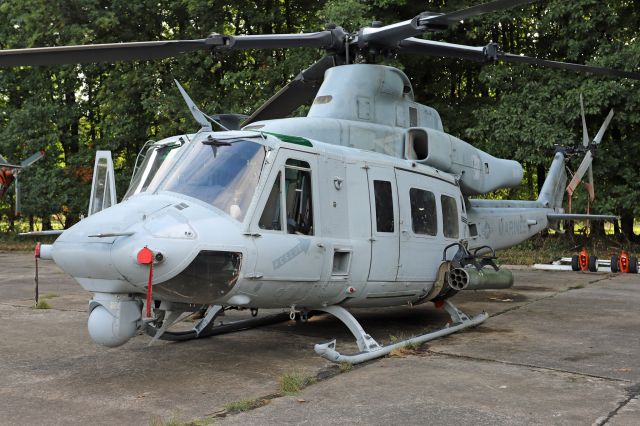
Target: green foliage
[345, 366]
[243, 405]
[43, 304]
[293, 382]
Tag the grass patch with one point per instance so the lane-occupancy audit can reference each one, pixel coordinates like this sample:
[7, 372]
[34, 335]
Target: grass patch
[49, 296]
[43, 304]
[293, 382]
[243, 405]
[345, 366]
[409, 348]
[43, 301]
[175, 421]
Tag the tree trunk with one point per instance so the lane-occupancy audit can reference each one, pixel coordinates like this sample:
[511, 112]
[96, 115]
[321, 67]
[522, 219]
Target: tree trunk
[627, 226]
[71, 219]
[597, 228]
[46, 222]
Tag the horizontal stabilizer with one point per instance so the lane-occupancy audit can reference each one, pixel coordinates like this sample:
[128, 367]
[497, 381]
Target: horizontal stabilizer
[572, 216]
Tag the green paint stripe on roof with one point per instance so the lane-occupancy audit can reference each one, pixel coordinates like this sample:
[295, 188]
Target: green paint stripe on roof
[291, 139]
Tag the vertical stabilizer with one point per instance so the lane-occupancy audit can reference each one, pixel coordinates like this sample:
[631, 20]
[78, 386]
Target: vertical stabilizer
[552, 192]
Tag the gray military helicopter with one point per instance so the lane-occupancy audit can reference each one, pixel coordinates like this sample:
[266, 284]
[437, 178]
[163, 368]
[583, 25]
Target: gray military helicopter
[365, 202]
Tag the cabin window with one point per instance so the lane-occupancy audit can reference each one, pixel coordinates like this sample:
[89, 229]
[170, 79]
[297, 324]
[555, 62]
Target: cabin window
[449, 216]
[424, 219]
[384, 206]
[297, 176]
[270, 218]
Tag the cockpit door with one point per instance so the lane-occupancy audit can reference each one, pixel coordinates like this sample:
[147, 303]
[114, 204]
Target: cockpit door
[287, 242]
[103, 186]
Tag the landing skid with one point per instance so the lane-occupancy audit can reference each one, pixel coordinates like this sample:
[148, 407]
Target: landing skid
[206, 326]
[370, 349]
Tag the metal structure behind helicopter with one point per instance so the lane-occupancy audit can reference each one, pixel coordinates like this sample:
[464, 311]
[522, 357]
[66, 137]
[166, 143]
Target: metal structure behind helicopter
[9, 173]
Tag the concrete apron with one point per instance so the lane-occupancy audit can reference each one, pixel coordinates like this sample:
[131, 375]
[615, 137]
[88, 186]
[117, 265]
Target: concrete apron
[560, 348]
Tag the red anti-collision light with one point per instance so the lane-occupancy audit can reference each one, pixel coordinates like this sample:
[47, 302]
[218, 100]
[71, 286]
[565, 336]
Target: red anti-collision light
[145, 256]
[38, 250]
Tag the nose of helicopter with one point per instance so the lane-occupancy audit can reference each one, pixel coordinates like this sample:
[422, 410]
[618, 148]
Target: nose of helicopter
[100, 252]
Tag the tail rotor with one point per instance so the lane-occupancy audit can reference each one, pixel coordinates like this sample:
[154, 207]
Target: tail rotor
[585, 166]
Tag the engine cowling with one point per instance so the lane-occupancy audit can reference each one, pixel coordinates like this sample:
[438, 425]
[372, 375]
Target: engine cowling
[480, 172]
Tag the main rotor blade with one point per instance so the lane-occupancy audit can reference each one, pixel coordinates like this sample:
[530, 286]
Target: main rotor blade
[439, 48]
[509, 57]
[391, 35]
[320, 40]
[112, 52]
[603, 128]
[109, 52]
[586, 163]
[585, 132]
[480, 9]
[298, 91]
[490, 53]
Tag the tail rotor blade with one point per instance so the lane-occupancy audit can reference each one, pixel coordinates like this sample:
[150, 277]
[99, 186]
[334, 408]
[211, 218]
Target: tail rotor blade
[582, 169]
[32, 159]
[585, 132]
[590, 187]
[603, 129]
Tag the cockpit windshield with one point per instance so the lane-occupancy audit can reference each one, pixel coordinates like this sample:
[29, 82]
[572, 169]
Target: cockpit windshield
[153, 159]
[223, 173]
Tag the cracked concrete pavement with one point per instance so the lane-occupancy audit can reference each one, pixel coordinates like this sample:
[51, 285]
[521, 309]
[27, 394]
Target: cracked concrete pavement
[559, 348]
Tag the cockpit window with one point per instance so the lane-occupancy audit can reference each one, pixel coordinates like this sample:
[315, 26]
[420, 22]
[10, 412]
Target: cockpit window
[223, 173]
[153, 159]
[297, 177]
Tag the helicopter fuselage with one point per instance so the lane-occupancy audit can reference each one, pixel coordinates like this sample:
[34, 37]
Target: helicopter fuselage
[325, 225]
